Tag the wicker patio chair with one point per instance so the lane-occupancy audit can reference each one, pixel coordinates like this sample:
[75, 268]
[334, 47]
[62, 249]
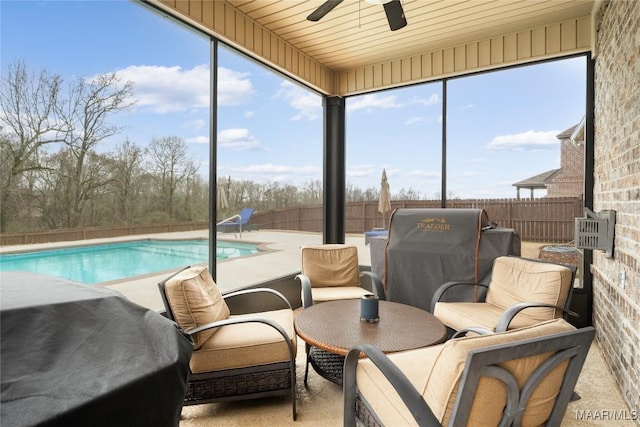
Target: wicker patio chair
[519, 377]
[521, 292]
[235, 357]
[332, 272]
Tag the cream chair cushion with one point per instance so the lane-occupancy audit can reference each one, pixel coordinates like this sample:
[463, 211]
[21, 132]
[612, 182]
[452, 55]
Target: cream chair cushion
[246, 344]
[383, 398]
[195, 300]
[459, 315]
[513, 280]
[334, 293]
[436, 371]
[331, 265]
[333, 271]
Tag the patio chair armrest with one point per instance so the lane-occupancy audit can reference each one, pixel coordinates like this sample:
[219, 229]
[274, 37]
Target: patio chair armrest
[307, 298]
[505, 318]
[437, 295]
[378, 287]
[407, 392]
[258, 290]
[475, 329]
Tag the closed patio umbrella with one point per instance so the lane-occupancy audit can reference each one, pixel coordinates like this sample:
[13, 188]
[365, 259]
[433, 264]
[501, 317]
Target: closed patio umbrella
[221, 199]
[384, 202]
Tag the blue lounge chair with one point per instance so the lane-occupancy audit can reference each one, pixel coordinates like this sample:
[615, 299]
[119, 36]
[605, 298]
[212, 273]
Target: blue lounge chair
[239, 224]
[374, 233]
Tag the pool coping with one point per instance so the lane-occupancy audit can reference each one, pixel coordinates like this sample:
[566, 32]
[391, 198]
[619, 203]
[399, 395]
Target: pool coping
[262, 247]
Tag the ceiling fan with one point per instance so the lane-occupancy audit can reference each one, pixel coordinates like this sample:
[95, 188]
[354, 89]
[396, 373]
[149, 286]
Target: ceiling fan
[392, 8]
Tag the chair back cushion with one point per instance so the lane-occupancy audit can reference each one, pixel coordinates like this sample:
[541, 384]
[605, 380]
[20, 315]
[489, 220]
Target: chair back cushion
[331, 265]
[490, 397]
[195, 301]
[515, 280]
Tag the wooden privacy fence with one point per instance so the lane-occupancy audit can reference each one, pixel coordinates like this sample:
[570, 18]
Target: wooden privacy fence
[538, 220]
[97, 232]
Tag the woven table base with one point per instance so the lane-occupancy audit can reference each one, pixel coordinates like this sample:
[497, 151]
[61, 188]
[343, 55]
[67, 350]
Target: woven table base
[327, 365]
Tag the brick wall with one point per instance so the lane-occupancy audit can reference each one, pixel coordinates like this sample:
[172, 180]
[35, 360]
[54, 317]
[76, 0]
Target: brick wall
[569, 181]
[617, 187]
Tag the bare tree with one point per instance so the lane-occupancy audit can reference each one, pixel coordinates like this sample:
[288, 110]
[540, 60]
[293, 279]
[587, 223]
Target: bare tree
[409, 194]
[28, 121]
[195, 203]
[33, 115]
[311, 193]
[170, 166]
[51, 196]
[127, 172]
[85, 115]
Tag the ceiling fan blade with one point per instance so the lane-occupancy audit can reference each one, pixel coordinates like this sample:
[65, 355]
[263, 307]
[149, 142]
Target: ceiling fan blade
[325, 8]
[395, 15]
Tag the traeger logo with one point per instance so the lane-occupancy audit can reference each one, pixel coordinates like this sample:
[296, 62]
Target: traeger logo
[434, 224]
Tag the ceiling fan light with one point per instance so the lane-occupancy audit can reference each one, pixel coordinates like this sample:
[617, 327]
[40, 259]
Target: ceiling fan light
[377, 2]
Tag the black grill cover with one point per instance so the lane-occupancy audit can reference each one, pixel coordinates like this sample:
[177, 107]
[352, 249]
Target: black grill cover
[79, 355]
[428, 247]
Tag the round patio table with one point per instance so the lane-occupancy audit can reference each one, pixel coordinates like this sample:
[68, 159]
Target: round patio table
[331, 328]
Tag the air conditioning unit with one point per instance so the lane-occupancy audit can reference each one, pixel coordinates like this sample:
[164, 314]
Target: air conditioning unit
[596, 230]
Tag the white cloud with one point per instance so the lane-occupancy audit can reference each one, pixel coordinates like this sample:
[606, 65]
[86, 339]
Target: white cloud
[237, 139]
[370, 101]
[432, 100]
[198, 140]
[168, 89]
[196, 124]
[249, 114]
[172, 89]
[471, 174]
[478, 160]
[280, 169]
[307, 104]
[529, 140]
[413, 120]
[391, 172]
[358, 171]
[425, 174]
[272, 172]
[234, 88]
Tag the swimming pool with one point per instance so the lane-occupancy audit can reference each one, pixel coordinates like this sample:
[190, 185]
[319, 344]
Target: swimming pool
[103, 263]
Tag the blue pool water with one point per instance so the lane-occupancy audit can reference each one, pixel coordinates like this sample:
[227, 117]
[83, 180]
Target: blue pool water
[103, 263]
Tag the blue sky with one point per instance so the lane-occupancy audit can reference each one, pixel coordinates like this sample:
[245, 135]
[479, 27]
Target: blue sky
[501, 125]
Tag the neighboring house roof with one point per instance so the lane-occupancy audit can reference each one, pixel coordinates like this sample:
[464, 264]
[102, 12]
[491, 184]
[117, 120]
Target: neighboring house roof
[538, 181]
[575, 134]
[567, 133]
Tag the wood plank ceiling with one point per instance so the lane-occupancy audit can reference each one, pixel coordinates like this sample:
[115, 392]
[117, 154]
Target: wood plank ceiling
[356, 33]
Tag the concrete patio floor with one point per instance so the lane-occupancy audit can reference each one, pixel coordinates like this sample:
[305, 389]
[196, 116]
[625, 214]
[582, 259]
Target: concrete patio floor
[320, 404]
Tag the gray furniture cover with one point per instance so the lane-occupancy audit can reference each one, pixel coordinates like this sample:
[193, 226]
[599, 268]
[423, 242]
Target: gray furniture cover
[429, 247]
[80, 355]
